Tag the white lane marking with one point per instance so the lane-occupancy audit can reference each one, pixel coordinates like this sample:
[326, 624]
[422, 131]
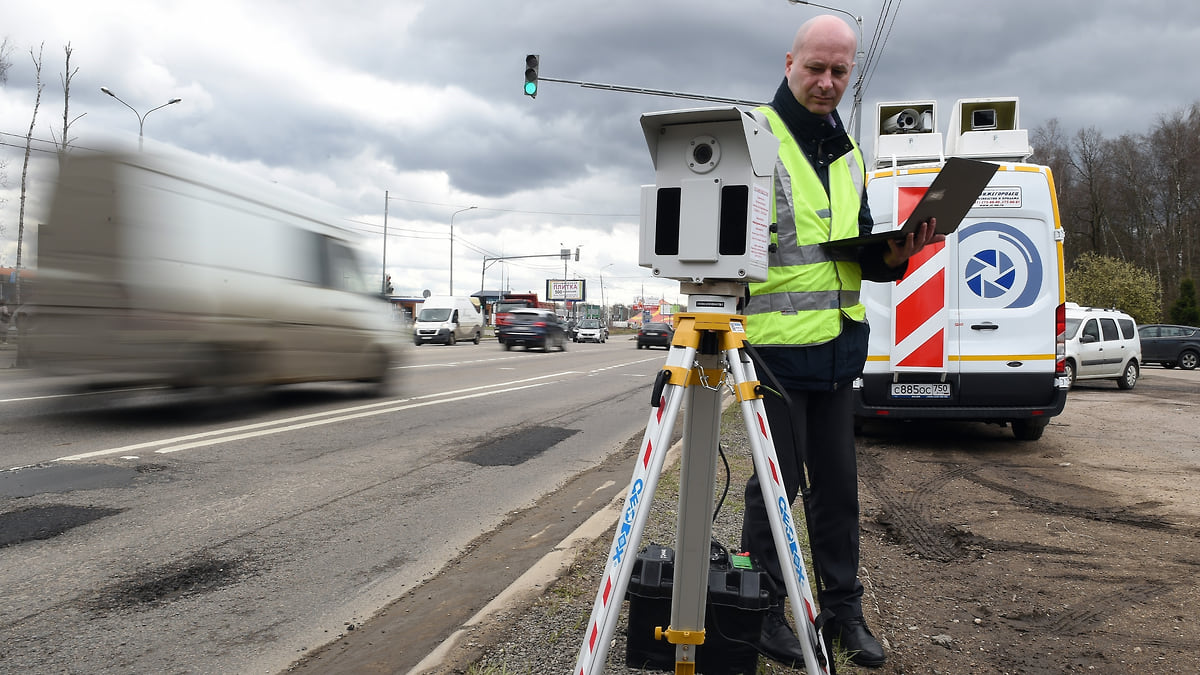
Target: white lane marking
[333, 420]
[43, 397]
[293, 420]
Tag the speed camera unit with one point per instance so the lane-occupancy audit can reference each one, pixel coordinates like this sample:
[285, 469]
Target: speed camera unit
[708, 215]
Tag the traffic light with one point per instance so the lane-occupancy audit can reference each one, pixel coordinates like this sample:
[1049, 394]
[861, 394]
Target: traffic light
[388, 284]
[531, 75]
[576, 254]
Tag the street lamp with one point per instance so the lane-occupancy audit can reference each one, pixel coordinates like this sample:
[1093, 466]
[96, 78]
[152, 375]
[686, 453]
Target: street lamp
[141, 118]
[452, 245]
[856, 113]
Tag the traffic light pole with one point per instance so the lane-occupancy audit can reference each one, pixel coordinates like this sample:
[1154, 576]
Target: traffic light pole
[486, 260]
[653, 92]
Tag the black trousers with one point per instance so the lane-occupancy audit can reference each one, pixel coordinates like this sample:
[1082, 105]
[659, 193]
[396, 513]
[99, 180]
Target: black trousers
[824, 428]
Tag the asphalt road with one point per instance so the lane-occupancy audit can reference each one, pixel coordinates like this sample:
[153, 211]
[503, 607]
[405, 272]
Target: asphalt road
[150, 532]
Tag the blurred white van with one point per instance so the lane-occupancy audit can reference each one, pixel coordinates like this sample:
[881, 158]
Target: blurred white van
[447, 319]
[167, 268]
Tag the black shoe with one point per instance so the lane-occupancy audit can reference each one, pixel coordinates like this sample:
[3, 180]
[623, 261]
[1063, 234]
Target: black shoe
[778, 641]
[854, 638]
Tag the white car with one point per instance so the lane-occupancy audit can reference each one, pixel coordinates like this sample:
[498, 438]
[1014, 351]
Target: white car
[591, 330]
[1102, 344]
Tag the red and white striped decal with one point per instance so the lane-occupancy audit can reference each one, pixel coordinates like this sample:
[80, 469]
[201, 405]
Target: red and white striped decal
[919, 302]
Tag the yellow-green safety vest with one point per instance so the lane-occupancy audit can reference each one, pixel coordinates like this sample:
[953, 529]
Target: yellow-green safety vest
[807, 291]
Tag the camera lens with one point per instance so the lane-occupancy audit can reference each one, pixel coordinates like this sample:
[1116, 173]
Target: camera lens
[703, 153]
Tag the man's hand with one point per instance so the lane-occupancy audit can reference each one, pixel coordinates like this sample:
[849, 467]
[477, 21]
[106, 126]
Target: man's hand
[900, 250]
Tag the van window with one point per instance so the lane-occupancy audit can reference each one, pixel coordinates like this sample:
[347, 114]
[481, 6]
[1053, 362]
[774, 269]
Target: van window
[1128, 330]
[1072, 327]
[342, 271]
[1091, 329]
[1110, 330]
[434, 314]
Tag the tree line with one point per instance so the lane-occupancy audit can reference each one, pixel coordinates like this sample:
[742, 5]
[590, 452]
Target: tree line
[1134, 199]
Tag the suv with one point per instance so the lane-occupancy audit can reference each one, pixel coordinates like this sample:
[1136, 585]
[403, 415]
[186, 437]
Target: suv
[1170, 345]
[532, 328]
[591, 330]
[1102, 344]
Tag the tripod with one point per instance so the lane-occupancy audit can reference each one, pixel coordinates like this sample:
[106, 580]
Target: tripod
[706, 347]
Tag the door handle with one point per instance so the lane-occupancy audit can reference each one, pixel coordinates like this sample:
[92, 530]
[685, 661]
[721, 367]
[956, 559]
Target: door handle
[984, 326]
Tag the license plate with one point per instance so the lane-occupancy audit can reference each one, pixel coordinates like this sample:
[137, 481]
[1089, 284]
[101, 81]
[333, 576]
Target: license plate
[920, 390]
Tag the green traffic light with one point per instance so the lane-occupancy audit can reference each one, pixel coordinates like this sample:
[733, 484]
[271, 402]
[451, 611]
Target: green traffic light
[531, 88]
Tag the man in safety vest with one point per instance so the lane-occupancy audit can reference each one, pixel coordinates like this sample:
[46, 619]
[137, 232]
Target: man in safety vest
[808, 323]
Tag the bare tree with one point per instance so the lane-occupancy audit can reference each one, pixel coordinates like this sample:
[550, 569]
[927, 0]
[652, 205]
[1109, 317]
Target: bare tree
[64, 144]
[5, 48]
[37, 69]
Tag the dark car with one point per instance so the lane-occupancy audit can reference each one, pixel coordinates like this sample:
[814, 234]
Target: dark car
[532, 328]
[655, 335]
[1170, 345]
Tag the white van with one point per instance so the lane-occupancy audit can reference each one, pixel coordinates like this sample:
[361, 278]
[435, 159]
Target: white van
[168, 268]
[974, 330]
[1102, 344]
[448, 319]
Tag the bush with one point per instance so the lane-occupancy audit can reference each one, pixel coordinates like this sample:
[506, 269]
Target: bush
[1101, 281]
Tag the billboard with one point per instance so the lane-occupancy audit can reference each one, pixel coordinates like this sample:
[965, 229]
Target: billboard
[566, 290]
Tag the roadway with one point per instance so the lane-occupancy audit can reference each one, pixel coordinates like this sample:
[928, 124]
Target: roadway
[150, 531]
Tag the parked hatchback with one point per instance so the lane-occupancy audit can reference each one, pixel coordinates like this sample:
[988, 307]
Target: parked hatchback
[655, 335]
[532, 328]
[1170, 345]
[1102, 344]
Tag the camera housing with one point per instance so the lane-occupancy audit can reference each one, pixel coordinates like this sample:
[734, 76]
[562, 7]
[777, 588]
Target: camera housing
[708, 215]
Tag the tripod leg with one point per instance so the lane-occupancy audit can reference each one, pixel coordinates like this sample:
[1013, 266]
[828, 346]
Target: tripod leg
[779, 512]
[698, 469]
[615, 581]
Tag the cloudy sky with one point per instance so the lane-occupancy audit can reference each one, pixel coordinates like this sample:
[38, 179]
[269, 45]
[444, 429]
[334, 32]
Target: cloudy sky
[422, 101]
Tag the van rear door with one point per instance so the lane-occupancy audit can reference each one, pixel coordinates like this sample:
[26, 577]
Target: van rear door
[1008, 288]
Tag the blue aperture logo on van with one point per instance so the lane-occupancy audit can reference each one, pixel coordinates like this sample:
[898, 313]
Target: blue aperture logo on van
[1002, 263]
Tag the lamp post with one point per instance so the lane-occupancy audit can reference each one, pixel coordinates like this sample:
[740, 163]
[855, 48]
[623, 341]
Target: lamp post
[141, 118]
[452, 245]
[856, 113]
[603, 300]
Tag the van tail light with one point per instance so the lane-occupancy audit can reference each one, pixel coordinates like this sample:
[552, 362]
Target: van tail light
[1060, 340]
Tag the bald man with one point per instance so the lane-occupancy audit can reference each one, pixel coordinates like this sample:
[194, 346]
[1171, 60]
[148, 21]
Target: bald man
[809, 325]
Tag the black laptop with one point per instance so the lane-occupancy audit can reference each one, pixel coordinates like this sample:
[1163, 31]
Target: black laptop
[951, 194]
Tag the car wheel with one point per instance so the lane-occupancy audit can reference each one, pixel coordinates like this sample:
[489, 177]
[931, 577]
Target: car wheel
[639, 345]
[1188, 360]
[507, 345]
[1029, 429]
[1130, 377]
[1069, 371]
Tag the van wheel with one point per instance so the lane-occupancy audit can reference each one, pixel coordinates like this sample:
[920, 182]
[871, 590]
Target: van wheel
[478, 337]
[1069, 371]
[1029, 429]
[1188, 360]
[381, 383]
[451, 340]
[1130, 377]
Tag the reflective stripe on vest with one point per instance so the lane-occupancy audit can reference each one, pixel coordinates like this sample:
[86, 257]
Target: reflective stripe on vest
[807, 289]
